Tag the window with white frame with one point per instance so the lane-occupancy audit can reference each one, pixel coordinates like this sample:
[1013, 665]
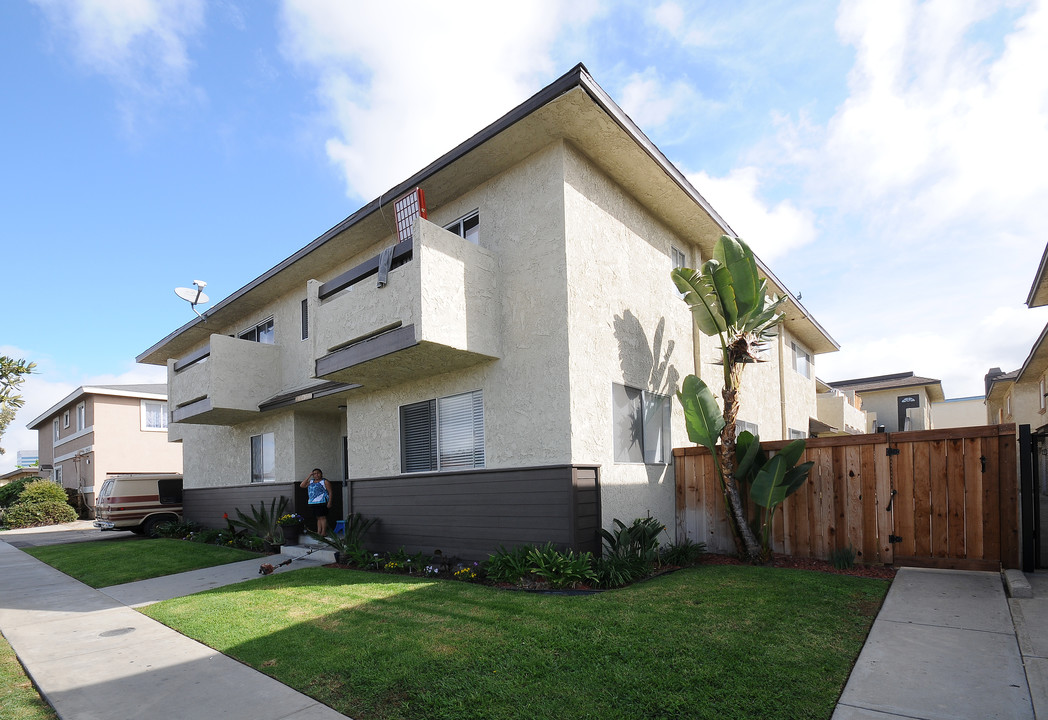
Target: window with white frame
[467, 226]
[263, 458]
[443, 434]
[57, 431]
[679, 260]
[261, 333]
[641, 425]
[802, 360]
[81, 416]
[58, 473]
[65, 419]
[154, 415]
[742, 426]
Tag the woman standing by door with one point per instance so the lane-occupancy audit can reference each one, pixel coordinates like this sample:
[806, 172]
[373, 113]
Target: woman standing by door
[318, 492]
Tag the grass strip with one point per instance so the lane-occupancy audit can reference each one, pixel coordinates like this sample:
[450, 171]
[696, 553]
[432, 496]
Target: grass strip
[725, 642]
[102, 563]
[19, 700]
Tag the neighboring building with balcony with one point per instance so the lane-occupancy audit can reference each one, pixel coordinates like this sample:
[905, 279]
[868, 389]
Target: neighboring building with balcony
[897, 402]
[102, 430]
[498, 369]
[840, 413]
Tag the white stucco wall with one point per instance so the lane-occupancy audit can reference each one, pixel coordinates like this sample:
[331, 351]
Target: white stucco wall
[525, 392]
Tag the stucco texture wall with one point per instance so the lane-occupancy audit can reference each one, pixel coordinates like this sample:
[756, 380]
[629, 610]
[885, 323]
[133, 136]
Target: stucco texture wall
[627, 325]
[526, 390]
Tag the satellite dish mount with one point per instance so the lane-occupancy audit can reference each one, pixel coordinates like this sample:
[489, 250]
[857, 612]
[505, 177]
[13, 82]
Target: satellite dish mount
[193, 296]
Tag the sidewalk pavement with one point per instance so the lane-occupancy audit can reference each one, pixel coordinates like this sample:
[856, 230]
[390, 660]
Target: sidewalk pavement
[94, 658]
[950, 644]
[946, 645]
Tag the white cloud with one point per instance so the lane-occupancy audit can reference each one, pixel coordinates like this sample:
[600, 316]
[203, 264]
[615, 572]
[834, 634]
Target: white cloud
[670, 17]
[937, 128]
[651, 103]
[138, 44]
[402, 84]
[771, 230]
[47, 385]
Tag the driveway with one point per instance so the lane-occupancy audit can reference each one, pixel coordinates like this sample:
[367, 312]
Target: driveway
[78, 531]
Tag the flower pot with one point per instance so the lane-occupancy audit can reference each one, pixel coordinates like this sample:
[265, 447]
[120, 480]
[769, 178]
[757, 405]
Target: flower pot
[291, 535]
[270, 547]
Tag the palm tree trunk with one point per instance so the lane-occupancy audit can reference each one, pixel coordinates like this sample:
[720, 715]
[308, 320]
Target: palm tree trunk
[750, 545]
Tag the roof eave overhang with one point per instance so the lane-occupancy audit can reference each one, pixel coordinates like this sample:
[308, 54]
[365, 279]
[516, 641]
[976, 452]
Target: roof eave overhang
[798, 320]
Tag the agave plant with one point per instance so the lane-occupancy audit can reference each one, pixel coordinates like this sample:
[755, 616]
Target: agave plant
[350, 542]
[263, 522]
[729, 300]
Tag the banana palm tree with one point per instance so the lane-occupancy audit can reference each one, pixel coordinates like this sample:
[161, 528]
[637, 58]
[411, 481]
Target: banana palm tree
[729, 300]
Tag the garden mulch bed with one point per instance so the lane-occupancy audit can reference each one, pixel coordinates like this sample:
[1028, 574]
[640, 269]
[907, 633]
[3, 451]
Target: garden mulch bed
[881, 572]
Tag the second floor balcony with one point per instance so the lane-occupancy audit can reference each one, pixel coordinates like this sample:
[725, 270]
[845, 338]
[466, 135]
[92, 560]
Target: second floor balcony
[439, 311]
[223, 383]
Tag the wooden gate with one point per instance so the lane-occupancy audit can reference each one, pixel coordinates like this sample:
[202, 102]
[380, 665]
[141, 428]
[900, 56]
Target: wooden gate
[933, 498]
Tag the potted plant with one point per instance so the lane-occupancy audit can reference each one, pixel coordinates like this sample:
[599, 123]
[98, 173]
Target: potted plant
[291, 525]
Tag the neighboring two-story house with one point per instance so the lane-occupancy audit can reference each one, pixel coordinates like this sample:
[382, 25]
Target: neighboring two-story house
[498, 368]
[103, 430]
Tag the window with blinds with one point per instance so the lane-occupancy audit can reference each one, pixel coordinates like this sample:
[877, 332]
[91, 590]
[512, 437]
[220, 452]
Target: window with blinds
[443, 434]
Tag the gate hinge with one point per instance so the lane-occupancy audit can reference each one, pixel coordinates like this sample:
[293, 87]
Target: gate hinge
[891, 451]
[895, 538]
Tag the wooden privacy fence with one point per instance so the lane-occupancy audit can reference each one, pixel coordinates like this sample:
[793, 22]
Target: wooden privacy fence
[933, 498]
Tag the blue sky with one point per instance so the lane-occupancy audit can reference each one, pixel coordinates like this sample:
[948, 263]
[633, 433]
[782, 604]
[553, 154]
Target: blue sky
[886, 158]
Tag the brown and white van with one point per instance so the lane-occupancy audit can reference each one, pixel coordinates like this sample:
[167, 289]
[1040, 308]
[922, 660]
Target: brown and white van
[138, 502]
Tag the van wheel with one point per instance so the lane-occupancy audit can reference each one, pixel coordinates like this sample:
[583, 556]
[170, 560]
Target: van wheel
[149, 526]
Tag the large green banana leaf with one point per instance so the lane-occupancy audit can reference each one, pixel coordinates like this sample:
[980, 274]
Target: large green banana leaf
[702, 416]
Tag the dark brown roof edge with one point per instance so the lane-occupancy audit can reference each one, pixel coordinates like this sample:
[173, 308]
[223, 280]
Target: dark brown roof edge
[578, 76]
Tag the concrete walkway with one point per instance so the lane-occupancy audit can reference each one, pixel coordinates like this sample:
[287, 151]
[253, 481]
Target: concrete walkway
[94, 658]
[948, 645]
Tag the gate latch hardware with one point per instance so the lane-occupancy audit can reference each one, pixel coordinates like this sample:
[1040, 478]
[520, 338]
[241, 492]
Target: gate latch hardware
[888, 507]
[891, 451]
[894, 539]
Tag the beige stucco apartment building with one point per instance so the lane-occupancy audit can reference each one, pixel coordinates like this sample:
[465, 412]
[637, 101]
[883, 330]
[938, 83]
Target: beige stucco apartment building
[103, 430]
[897, 402]
[524, 351]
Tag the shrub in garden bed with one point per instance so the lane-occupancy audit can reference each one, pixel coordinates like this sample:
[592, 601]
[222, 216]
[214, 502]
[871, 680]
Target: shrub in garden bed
[41, 502]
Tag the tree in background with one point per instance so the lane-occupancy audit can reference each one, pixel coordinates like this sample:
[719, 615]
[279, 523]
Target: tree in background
[12, 374]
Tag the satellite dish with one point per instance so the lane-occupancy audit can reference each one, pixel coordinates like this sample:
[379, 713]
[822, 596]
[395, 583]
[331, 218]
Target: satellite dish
[193, 295]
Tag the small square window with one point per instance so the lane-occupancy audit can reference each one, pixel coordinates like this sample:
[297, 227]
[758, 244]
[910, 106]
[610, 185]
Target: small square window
[802, 360]
[154, 415]
[641, 424]
[467, 226]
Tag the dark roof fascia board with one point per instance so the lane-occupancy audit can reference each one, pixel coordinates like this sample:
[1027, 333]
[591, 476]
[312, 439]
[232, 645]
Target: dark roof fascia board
[578, 76]
[631, 128]
[566, 82]
[872, 378]
[1042, 269]
[1033, 351]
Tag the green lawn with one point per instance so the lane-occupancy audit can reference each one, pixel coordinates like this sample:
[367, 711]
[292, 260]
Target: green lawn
[709, 642]
[101, 563]
[18, 698]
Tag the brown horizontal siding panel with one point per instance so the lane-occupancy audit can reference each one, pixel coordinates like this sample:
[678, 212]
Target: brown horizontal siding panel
[471, 513]
[206, 505]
